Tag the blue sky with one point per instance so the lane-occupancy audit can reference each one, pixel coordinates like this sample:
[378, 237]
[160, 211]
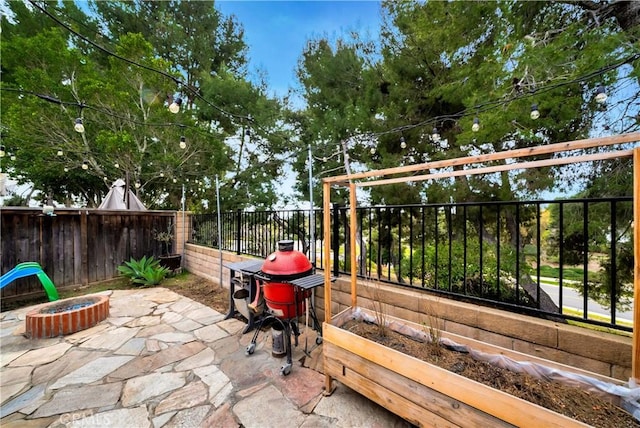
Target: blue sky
[277, 31]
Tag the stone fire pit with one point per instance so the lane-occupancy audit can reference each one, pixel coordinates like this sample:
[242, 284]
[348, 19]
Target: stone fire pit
[66, 316]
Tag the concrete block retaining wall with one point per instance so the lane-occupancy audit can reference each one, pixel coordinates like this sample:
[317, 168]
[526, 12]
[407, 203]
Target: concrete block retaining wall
[598, 352]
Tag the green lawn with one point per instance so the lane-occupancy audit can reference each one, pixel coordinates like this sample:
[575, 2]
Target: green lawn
[568, 273]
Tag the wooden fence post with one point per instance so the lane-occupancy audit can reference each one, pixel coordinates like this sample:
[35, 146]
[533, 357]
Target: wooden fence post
[84, 247]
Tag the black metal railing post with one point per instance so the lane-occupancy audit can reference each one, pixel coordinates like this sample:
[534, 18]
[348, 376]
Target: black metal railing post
[239, 231]
[336, 240]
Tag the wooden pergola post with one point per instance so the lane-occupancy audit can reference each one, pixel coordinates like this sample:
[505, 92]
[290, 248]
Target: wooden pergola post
[353, 223]
[326, 222]
[635, 358]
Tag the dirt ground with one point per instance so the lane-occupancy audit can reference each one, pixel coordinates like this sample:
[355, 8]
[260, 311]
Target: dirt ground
[575, 403]
[199, 289]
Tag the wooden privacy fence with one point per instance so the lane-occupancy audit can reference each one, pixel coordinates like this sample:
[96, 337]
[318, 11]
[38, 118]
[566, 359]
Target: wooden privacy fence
[75, 246]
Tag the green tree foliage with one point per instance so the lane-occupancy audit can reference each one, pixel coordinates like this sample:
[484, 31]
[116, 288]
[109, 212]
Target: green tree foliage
[414, 95]
[120, 84]
[441, 64]
[609, 233]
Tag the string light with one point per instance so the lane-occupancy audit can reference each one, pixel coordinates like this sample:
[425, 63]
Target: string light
[60, 152]
[137, 184]
[373, 150]
[13, 157]
[403, 143]
[66, 169]
[183, 142]
[174, 107]
[79, 126]
[85, 165]
[117, 165]
[476, 124]
[535, 113]
[601, 95]
[485, 105]
[435, 135]
[2, 151]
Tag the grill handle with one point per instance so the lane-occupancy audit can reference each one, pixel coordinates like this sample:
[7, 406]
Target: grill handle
[262, 278]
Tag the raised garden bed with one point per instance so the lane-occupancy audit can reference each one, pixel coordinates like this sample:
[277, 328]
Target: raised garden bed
[426, 394]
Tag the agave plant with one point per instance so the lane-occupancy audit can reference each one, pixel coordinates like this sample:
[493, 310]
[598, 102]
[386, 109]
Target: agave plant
[146, 271]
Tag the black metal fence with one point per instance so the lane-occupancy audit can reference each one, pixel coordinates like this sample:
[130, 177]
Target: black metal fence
[566, 259]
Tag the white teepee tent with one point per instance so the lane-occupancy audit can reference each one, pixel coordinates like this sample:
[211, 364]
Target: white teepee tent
[117, 200]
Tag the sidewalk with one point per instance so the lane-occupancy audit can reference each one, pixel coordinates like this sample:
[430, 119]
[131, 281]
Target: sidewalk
[162, 360]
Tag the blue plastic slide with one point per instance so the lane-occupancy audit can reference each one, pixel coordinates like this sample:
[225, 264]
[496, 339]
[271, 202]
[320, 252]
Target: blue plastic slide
[28, 269]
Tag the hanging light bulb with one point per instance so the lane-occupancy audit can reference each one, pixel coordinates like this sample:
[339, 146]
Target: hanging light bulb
[2, 151]
[601, 95]
[174, 107]
[137, 184]
[435, 135]
[175, 180]
[104, 178]
[85, 165]
[535, 113]
[183, 142]
[373, 150]
[403, 143]
[66, 169]
[13, 157]
[476, 125]
[60, 152]
[117, 165]
[79, 126]
[162, 174]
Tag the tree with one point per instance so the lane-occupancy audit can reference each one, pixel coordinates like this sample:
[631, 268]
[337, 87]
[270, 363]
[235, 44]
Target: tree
[120, 86]
[443, 65]
[193, 37]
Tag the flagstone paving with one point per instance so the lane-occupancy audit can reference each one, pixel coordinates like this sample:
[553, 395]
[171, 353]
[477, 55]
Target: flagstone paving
[162, 360]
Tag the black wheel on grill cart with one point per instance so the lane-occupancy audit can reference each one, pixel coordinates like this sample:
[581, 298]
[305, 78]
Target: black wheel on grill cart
[286, 369]
[319, 340]
[250, 349]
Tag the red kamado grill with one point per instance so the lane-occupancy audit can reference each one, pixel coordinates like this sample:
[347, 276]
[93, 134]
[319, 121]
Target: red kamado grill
[287, 280]
[286, 264]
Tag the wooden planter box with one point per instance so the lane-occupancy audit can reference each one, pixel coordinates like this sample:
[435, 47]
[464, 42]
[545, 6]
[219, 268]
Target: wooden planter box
[427, 395]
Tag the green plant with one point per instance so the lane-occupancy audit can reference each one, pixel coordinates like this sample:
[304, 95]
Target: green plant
[146, 271]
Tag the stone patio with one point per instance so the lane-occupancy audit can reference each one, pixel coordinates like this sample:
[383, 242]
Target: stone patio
[162, 360]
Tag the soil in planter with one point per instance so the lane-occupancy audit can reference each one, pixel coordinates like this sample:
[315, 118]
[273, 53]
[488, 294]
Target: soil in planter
[569, 401]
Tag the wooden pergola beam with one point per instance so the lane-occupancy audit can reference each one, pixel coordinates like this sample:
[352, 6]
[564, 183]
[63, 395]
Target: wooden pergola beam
[509, 154]
[501, 168]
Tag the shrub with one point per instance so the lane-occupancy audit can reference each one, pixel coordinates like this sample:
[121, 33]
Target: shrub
[146, 271]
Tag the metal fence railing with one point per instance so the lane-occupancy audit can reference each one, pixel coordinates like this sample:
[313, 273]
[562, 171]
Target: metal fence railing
[567, 259]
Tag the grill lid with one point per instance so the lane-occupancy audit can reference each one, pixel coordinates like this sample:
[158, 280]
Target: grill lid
[286, 263]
